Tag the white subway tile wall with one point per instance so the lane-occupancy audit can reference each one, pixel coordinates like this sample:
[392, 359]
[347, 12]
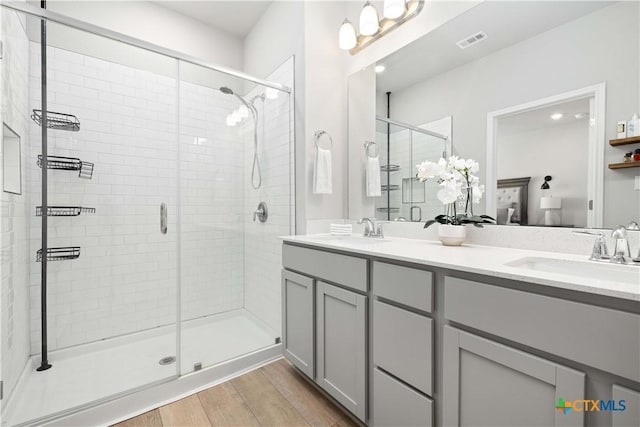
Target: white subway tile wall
[125, 278]
[211, 184]
[262, 248]
[15, 254]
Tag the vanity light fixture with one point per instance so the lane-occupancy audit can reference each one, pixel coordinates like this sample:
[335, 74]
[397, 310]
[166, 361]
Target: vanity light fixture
[393, 9]
[369, 20]
[396, 13]
[557, 116]
[379, 68]
[347, 37]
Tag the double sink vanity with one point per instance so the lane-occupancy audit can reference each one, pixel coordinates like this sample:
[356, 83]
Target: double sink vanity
[409, 332]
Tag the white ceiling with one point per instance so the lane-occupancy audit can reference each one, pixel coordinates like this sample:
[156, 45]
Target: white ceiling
[504, 22]
[234, 17]
[541, 118]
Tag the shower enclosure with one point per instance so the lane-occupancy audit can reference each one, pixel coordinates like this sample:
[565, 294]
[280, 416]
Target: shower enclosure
[143, 255]
[401, 147]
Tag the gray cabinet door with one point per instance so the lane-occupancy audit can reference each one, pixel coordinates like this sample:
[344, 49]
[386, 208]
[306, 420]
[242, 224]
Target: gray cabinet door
[490, 384]
[341, 346]
[297, 321]
[630, 417]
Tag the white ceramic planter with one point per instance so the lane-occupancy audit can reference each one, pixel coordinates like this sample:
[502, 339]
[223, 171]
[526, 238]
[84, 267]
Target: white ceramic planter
[452, 235]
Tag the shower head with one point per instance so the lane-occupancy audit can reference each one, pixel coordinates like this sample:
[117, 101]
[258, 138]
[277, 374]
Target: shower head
[226, 90]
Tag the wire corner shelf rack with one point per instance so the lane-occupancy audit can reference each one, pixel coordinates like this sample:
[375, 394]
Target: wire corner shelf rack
[85, 169]
[57, 121]
[64, 210]
[390, 168]
[59, 254]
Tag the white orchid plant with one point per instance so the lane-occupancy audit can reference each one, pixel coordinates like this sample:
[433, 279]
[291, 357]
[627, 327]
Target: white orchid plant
[455, 175]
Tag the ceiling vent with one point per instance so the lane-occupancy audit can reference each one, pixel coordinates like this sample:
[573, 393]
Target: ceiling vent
[473, 39]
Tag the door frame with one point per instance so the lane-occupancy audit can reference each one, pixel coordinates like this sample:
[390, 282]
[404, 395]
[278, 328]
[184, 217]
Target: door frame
[595, 151]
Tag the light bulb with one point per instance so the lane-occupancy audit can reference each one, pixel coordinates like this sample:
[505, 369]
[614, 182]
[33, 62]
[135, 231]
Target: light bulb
[243, 111]
[379, 68]
[271, 93]
[236, 115]
[557, 116]
[368, 20]
[347, 36]
[393, 9]
[230, 120]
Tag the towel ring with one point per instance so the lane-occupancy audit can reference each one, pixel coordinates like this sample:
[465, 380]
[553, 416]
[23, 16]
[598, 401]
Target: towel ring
[371, 144]
[318, 135]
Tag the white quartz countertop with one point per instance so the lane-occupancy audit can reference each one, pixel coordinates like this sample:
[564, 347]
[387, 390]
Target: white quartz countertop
[489, 260]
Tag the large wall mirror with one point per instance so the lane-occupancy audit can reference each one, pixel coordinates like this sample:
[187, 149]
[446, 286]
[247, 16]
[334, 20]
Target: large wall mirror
[532, 90]
[11, 161]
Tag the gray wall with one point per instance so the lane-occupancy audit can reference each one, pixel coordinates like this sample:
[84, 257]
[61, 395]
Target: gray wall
[560, 60]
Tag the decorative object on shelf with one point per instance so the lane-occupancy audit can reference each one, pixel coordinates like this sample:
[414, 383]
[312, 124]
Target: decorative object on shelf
[628, 157]
[545, 184]
[460, 188]
[551, 207]
[85, 169]
[64, 210]
[395, 13]
[636, 155]
[60, 254]
[57, 121]
[621, 129]
[633, 126]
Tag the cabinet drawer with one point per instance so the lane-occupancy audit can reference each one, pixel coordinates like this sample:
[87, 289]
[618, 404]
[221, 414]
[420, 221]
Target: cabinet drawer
[603, 338]
[403, 345]
[343, 269]
[395, 404]
[405, 285]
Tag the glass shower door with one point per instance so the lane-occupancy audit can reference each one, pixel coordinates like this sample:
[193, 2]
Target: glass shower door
[235, 144]
[111, 223]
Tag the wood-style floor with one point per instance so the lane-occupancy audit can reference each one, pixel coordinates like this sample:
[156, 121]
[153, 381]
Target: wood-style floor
[274, 395]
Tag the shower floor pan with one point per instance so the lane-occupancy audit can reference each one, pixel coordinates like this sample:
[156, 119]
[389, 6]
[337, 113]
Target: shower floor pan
[95, 371]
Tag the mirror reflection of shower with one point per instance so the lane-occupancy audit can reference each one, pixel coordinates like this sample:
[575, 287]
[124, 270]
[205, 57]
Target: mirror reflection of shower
[241, 113]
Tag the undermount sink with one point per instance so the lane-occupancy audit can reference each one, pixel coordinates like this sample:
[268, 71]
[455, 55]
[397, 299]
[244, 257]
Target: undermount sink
[358, 239]
[589, 269]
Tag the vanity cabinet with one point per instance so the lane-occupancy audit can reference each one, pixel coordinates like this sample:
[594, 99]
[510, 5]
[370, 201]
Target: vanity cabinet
[486, 383]
[341, 346]
[298, 320]
[407, 344]
[324, 322]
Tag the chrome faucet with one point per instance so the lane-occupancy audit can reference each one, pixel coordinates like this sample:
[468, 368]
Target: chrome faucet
[599, 251]
[621, 251]
[371, 229]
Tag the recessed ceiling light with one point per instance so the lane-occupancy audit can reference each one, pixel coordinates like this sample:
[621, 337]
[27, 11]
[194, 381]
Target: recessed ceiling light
[556, 116]
[379, 68]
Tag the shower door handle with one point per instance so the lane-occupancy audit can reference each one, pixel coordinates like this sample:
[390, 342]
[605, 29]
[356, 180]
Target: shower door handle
[163, 218]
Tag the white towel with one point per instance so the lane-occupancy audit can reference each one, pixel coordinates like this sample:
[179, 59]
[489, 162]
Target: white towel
[322, 172]
[373, 177]
[341, 229]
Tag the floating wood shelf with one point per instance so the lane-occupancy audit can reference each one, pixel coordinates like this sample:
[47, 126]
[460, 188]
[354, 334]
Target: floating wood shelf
[633, 164]
[625, 141]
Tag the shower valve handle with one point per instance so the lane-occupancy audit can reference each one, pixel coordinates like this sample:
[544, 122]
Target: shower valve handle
[261, 214]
